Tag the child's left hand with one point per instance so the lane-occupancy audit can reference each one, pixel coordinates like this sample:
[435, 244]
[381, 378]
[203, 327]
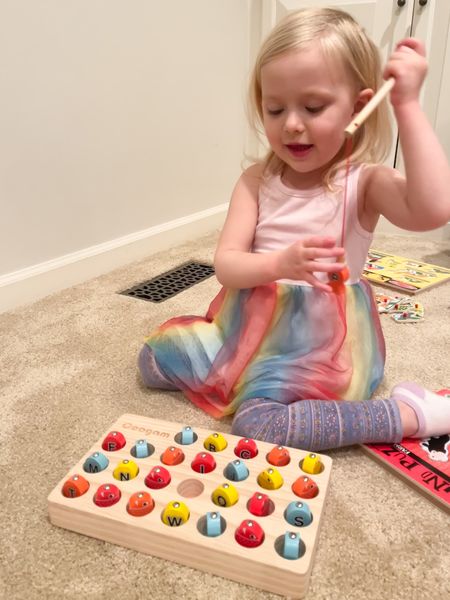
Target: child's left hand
[408, 66]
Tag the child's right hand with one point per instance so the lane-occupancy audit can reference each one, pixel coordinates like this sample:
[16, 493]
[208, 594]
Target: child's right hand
[298, 261]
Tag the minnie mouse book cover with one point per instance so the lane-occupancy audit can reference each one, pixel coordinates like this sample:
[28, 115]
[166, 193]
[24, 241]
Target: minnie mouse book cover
[423, 463]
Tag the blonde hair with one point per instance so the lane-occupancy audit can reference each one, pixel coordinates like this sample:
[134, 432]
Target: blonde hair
[343, 38]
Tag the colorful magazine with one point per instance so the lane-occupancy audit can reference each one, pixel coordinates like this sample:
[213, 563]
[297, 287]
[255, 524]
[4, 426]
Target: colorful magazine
[403, 274]
[424, 463]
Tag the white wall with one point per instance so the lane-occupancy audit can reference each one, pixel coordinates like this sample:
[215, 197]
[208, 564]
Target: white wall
[116, 116]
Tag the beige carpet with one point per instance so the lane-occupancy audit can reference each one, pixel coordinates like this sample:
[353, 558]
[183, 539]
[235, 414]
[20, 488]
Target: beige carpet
[68, 370]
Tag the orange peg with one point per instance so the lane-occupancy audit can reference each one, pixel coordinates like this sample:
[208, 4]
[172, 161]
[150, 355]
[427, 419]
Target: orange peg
[75, 486]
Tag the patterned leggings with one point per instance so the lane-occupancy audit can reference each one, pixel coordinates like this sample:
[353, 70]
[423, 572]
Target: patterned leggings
[307, 424]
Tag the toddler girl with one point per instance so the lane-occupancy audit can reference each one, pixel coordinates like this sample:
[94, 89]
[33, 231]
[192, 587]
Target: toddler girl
[293, 343]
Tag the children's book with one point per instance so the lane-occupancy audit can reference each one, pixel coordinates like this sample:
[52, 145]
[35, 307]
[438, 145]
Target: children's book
[423, 463]
[403, 274]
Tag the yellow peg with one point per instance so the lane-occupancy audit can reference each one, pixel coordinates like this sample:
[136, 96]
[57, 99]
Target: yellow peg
[311, 464]
[175, 514]
[215, 442]
[270, 479]
[126, 470]
[225, 495]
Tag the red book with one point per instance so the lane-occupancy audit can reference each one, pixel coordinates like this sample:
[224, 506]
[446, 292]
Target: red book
[423, 463]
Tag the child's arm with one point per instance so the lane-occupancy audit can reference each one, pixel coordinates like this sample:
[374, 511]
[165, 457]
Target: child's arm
[422, 200]
[238, 267]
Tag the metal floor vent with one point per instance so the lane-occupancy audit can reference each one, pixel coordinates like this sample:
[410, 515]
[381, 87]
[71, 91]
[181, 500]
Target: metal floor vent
[171, 283]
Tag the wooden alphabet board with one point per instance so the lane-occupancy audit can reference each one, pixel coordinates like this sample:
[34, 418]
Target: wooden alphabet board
[200, 498]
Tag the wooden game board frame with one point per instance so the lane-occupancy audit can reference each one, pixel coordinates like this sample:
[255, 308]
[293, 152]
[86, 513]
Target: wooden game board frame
[261, 567]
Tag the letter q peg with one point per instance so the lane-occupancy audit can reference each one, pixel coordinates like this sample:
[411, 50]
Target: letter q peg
[225, 495]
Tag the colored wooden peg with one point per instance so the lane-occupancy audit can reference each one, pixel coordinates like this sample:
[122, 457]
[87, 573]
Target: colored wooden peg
[107, 495]
[225, 495]
[249, 534]
[158, 478]
[142, 449]
[215, 442]
[246, 448]
[291, 545]
[236, 470]
[186, 436]
[304, 487]
[337, 280]
[175, 514]
[270, 479]
[126, 470]
[260, 505]
[140, 504]
[114, 441]
[95, 463]
[75, 486]
[172, 456]
[214, 525]
[298, 514]
[203, 462]
[311, 464]
[279, 456]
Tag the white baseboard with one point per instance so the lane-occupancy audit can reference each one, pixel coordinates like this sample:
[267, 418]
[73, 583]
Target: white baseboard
[35, 282]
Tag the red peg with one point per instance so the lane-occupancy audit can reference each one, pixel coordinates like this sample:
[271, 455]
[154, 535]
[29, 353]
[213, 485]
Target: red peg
[113, 441]
[260, 505]
[246, 448]
[158, 478]
[107, 495]
[305, 487]
[140, 504]
[249, 534]
[75, 486]
[172, 456]
[203, 463]
[279, 456]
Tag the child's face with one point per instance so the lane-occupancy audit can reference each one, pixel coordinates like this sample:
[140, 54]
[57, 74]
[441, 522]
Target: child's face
[307, 103]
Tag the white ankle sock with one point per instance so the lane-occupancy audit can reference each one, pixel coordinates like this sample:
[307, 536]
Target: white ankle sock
[432, 410]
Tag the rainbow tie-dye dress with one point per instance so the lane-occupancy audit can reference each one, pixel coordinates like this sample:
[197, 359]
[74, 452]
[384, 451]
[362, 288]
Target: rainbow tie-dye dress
[285, 341]
[277, 341]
